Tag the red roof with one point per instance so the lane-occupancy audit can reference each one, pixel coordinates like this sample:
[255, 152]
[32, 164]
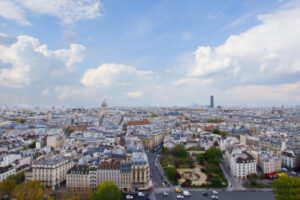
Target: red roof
[141, 122]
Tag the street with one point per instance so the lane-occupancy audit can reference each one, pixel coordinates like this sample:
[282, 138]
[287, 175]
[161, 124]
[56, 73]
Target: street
[244, 195]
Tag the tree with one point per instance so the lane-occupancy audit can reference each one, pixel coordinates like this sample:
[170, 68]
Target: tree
[177, 176]
[18, 178]
[180, 151]
[32, 145]
[32, 190]
[287, 188]
[171, 171]
[7, 187]
[107, 190]
[216, 181]
[200, 159]
[253, 178]
[75, 195]
[216, 131]
[186, 183]
[213, 155]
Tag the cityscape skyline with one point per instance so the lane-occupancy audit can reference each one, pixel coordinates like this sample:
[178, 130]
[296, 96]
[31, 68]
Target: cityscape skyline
[153, 54]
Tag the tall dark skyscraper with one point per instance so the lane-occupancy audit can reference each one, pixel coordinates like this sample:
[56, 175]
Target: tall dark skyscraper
[212, 101]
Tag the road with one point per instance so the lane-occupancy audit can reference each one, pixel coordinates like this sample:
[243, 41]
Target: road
[157, 175]
[233, 184]
[228, 195]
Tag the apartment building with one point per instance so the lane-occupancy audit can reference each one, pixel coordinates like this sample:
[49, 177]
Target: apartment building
[109, 170]
[50, 171]
[241, 162]
[140, 171]
[125, 176]
[288, 159]
[6, 172]
[8, 159]
[274, 145]
[78, 178]
[269, 163]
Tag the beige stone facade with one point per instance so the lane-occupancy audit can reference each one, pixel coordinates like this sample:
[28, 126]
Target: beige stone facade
[50, 172]
[78, 178]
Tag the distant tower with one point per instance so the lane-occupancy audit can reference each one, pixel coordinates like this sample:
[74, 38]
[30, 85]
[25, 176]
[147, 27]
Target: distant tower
[102, 111]
[104, 104]
[212, 101]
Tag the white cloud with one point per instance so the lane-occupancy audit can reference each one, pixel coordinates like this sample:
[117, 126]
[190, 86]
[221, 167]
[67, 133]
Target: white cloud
[68, 11]
[29, 62]
[69, 56]
[264, 52]
[109, 74]
[267, 93]
[11, 11]
[135, 94]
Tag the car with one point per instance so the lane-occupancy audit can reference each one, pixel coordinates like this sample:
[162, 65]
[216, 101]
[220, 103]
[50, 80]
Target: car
[165, 194]
[215, 192]
[129, 196]
[186, 193]
[205, 194]
[179, 196]
[294, 173]
[214, 197]
[178, 190]
[141, 194]
[163, 184]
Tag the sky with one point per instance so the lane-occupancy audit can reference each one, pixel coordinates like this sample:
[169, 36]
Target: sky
[149, 53]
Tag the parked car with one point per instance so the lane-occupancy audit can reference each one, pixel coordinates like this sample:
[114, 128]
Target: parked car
[178, 190]
[180, 196]
[129, 196]
[141, 194]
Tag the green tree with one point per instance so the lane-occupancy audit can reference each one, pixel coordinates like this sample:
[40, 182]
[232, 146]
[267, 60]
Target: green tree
[216, 181]
[32, 190]
[287, 188]
[200, 159]
[107, 190]
[216, 131]
[32, 145]
[7, 187]
[213, 155]
[171, 172]
[18, 178]
[180, 151]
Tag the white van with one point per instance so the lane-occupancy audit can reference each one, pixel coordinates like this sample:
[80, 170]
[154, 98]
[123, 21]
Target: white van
[284, 169]
[186, 193]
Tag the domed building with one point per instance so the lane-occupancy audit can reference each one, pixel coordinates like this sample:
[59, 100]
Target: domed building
[104, 104]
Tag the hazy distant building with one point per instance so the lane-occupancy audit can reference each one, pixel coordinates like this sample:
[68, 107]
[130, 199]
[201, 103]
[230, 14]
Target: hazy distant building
[212, 101]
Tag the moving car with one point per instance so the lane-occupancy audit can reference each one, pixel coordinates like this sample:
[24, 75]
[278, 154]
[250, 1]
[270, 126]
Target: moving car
[205, 194]
[178, 190]
[214, 197]
[186, 193]
[129, 196]
[165, 194]
[180, 196]
[215, 192]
